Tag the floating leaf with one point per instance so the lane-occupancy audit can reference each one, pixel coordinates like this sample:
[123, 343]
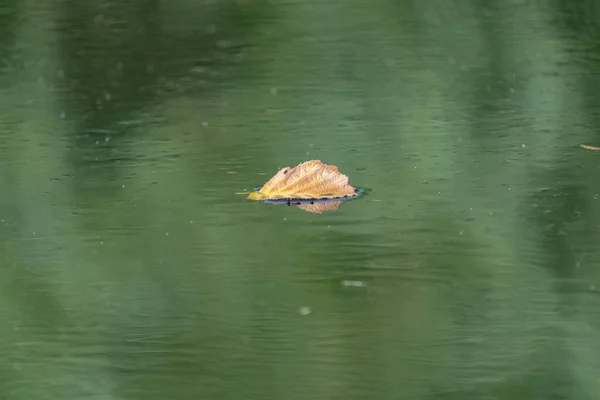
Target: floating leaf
[588, 147]
[311, 186]
[310, 180]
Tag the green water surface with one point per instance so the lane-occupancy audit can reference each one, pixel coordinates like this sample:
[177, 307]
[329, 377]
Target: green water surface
[131, 269]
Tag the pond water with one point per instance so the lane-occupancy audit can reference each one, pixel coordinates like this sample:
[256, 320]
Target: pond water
[131, 269]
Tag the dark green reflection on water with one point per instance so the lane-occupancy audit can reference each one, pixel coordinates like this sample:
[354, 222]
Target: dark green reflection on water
[130, 269]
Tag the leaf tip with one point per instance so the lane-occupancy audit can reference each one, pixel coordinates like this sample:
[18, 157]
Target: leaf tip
[256, 196]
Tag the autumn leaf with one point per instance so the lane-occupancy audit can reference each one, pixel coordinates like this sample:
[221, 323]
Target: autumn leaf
[309, 180]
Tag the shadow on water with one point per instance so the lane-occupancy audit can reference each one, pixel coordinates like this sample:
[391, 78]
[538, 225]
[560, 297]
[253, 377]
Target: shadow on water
[120, 58]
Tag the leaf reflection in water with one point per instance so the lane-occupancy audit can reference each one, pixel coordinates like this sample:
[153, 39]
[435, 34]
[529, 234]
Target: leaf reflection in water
[313, 207]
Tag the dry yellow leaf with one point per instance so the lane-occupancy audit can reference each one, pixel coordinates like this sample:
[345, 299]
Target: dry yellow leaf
[310, 180]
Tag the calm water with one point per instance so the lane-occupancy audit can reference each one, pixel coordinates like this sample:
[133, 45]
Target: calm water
[130, 269]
